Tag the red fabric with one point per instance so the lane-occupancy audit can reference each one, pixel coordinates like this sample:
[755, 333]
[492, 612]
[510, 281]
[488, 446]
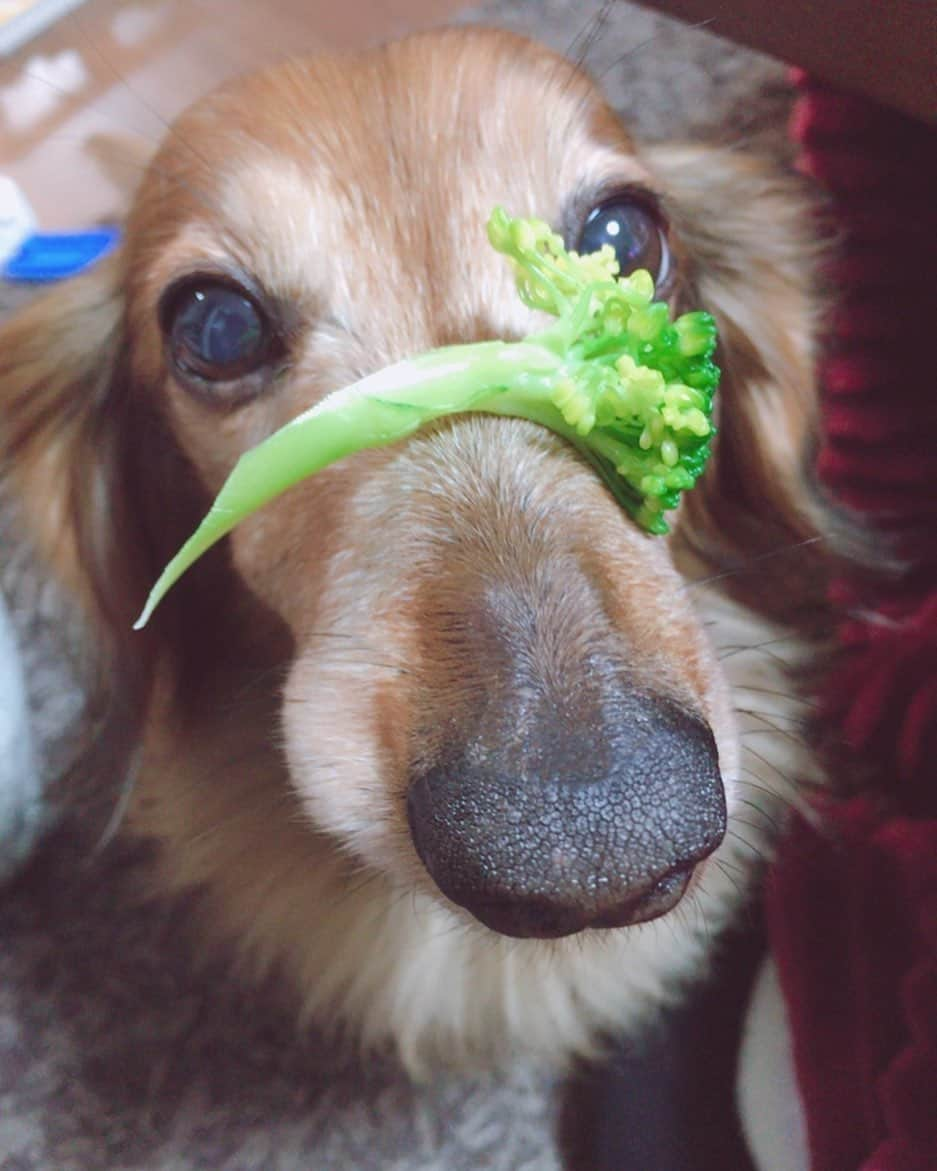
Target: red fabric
[852, 901]
[853, 911]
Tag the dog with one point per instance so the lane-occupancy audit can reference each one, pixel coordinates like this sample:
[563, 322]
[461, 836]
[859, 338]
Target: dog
[443, 741]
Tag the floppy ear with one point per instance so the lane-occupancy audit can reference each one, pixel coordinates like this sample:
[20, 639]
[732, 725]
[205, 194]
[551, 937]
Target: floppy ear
[750, 237]
[105, 497]
[87, 459]
[62, 462]
[86, 454]
[58, 360]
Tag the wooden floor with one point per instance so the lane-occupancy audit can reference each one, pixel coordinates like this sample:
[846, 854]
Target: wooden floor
[121, 69]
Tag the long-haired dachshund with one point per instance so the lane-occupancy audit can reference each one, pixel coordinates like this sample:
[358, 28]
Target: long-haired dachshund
[441, 737]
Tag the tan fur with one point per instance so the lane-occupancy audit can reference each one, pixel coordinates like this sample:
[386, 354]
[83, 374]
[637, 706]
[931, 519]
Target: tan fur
[279, 721]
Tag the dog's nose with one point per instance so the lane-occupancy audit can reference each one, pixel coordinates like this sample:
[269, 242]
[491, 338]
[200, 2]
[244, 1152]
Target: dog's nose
[553, 825]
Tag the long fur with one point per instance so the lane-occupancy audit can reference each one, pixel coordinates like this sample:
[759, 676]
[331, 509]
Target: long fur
[274, 706]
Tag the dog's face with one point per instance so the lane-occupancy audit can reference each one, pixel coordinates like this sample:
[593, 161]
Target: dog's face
[535, 672]
[500, 693]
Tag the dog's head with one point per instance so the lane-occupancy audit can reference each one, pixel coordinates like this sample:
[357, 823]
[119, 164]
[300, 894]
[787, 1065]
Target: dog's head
[500, 692]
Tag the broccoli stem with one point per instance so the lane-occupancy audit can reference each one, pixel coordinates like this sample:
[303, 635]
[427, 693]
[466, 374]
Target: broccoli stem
[379, 410]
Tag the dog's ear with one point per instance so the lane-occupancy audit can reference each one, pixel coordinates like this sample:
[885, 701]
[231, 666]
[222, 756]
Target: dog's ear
[88, 460]
[64, 465]
[87, 456]
[103, 492]
[58, 421]
[749, 234]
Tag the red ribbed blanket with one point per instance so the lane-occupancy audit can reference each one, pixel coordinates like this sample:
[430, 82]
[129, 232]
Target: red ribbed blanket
[852, 905]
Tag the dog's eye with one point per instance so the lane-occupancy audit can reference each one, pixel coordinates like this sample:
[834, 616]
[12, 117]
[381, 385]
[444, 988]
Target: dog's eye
[216, 332]
[635, 232]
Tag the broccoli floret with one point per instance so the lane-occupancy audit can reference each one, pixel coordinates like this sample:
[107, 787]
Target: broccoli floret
[631, 390]
[636, 389]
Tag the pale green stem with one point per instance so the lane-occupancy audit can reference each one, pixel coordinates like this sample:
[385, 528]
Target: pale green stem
[379, 410]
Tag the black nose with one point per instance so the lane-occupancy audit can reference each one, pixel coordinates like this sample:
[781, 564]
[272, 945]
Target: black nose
[546, 829]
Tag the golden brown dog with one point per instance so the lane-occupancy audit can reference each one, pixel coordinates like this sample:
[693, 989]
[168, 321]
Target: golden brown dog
[441, 736]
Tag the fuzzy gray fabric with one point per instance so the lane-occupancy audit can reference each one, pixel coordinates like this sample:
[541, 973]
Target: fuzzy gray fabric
[114, 1054]
[21, 799]
[669, 80]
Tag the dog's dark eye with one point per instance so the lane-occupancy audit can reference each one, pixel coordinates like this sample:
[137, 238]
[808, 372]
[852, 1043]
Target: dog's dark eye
[216, 332]
[635, 232]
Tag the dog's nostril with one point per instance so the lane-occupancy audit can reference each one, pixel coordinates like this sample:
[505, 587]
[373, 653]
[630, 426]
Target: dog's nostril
[511, 832]
[662, 897]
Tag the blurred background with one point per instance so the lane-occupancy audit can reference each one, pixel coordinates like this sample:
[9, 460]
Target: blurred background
[122, 69]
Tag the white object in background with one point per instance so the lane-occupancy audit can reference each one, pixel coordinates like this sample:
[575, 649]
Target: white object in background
[768, 1096]
[21, 20]
[16, 219]
[22, 817]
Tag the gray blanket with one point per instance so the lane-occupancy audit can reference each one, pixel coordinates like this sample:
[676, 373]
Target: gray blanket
[115, 1053]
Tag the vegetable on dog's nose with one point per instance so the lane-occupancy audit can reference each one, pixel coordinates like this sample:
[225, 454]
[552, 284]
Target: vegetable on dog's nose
[629, 388]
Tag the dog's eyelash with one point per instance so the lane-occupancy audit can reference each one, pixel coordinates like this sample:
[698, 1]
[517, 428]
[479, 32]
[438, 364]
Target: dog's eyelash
[751, 564]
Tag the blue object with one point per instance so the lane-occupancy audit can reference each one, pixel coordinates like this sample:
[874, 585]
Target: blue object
[53, 256]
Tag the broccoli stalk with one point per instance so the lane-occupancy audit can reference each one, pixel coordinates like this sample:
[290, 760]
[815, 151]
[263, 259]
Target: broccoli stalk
[629, 389]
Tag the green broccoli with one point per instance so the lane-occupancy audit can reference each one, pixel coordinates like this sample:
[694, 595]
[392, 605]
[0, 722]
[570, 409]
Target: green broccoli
[629, 389]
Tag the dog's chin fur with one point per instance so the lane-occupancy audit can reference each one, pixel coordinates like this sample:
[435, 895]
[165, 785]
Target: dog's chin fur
[269, 783]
